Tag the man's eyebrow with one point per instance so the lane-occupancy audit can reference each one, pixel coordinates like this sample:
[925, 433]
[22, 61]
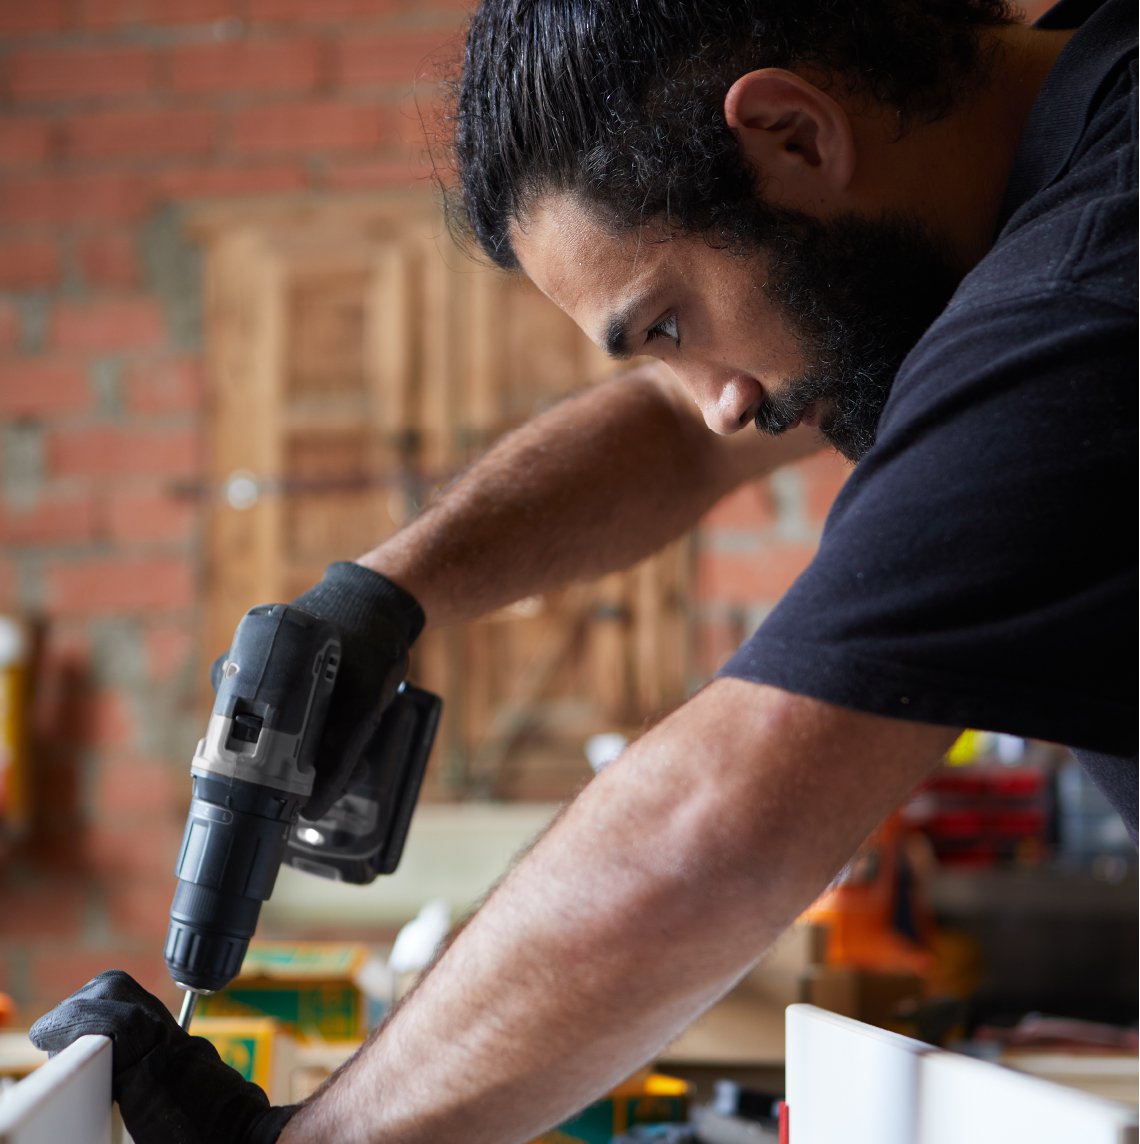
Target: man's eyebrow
[615, 341]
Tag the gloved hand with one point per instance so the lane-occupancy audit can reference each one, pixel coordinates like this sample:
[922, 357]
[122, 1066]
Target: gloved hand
[377, 622]
[171, 1088]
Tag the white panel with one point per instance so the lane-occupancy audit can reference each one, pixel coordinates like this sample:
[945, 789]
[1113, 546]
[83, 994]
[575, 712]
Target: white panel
[67, 1100]
[966, 1099]
[849, 1083]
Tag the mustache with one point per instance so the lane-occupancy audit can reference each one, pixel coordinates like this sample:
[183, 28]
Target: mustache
[779, 412]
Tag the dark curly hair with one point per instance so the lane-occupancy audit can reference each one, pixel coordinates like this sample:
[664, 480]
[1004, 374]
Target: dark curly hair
[620, 102]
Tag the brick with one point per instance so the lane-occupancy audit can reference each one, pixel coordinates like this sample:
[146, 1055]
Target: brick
[109, 721]
[320, 127]
[140, 134]
[26, 19]
[118, 13]
[84, 198]
[109, 260]
[191, 182]
[8, 601]
[414, 120]
[320, 11]
[149, 516]
[28, 262]
[141, 910]
[136, 847]
[127, 785]
[42, 387]
[106, 324]
[823, 476]
[396, 58]
[175, 385]
[250, 65]
[25, 142]
[53, 518]
[118, 586]
[117, 451]
[748, 507]
[763, 574]
[54, 75]
[716, 639]
[378, 174]
[169, 648]
[10, 325]
[63, 676]
[41, 907]
[58, 971]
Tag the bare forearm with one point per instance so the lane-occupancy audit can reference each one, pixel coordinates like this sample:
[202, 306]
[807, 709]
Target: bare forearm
[591, 486]
[659, 886]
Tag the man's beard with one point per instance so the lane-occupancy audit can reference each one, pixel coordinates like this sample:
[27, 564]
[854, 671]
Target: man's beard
[859, 293]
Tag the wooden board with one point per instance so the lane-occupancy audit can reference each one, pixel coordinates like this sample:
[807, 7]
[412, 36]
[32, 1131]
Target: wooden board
[356, 362]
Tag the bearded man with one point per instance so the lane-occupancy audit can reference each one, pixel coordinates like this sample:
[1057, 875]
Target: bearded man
[908, 226]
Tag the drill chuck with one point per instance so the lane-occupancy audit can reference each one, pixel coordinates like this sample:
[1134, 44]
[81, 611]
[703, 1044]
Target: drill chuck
[231, 852]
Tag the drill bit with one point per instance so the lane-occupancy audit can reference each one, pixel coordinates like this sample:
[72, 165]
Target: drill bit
[189, 1004]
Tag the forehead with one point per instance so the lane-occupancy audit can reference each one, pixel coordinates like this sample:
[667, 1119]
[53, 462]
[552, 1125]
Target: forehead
[585, 268]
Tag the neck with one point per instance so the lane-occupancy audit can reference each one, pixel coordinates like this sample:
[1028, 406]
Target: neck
[952, 174]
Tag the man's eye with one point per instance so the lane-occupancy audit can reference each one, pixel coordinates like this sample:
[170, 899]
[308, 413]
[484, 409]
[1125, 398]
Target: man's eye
[666, 328]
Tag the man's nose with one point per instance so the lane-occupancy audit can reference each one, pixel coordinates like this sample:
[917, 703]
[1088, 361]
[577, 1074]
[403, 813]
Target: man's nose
[728, 402]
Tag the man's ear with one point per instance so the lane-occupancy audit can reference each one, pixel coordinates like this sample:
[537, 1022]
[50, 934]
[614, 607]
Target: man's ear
[797, 137]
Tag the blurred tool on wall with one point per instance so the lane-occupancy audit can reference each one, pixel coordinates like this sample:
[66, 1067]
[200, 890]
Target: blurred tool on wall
[15, 702]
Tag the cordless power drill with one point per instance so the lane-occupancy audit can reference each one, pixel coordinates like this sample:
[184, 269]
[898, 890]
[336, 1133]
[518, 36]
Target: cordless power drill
[252, 774]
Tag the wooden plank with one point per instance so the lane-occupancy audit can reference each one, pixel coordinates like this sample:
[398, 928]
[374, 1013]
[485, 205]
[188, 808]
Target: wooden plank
[436, 406]
[485, 373]
[391, 324]
[67, 1099]
[609, 649]
[648, 611]
[445, 355]
[234, 309]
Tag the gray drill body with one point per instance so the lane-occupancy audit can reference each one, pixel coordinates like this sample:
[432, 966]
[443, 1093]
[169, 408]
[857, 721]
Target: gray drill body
[252, 773]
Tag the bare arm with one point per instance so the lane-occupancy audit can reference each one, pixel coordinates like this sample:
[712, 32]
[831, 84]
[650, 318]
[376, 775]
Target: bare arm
[657, 888]
[591, 486]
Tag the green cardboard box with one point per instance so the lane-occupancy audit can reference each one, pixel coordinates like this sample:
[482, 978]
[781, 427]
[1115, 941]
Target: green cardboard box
[648, 1098]
[309, 986]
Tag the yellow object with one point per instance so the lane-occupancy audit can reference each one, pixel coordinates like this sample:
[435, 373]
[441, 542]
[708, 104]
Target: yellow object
[14, 700]
[309, 986]
[257, 1047]
[646, 1098]
[968, 748]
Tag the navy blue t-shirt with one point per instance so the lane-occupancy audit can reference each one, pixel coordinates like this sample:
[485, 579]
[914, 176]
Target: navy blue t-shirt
[978, 569]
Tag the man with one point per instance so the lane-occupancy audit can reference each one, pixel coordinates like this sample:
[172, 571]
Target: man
[908, 225]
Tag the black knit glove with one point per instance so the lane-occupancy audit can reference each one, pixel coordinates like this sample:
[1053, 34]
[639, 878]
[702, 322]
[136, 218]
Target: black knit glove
[377, 622]
[171, 1088]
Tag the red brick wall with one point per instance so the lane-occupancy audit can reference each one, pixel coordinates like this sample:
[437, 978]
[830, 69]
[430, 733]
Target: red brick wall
[113, 113]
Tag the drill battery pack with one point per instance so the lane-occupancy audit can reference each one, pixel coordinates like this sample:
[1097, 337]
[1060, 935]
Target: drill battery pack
[362, 834]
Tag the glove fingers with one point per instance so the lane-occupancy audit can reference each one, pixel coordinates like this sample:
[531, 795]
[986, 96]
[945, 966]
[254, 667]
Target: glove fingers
[115, 1005]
